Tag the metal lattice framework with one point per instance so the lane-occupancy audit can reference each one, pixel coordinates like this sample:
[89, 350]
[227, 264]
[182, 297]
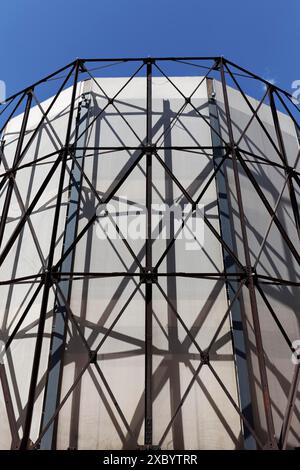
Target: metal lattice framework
[58, 276]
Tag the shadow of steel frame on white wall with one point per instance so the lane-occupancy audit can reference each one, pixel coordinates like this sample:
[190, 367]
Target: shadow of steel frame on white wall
[252, 294]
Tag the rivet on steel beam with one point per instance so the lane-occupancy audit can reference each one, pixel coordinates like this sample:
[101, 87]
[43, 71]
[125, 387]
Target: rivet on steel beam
[93, 357]
[204, 356]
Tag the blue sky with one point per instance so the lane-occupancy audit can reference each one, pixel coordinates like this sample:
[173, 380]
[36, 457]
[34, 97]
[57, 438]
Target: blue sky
[39, 36]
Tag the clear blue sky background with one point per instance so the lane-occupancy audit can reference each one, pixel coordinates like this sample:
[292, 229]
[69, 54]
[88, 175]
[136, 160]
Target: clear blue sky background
[39, 36]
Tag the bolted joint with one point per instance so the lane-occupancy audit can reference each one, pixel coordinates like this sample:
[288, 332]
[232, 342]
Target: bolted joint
[149, 61]
[290, 171]
[250, 273]
[188, 100]
[148, 276]
[78, 62]
[204, 356]
[151, 148]
[217, 63]
[65, 150]
[194, 206]
[93, 357]
[232, 148]
[110, 101]
[11, 175]
[70, 149]
[228, 147]
[212, 97]
[271, 87]
[29, 91]
[81, 66]
[47, 277]
[271, 445]
[55, 275]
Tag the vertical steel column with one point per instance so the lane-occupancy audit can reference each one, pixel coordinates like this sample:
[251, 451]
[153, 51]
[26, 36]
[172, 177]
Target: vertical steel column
[286, 425]
[251, 286]
[224, 209]
[287, 419]
[148, 267]
[59, 328]
[48, 274]
[15, 162]
[2, 145]
[285, 161]
[9, 408]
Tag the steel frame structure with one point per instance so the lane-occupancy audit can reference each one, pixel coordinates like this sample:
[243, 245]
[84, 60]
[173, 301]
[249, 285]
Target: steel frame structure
[54, 274]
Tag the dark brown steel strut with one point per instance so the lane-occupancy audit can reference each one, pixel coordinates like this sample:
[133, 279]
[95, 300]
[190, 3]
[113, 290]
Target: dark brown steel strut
[148, 267]
[257, 330]
[48, 277]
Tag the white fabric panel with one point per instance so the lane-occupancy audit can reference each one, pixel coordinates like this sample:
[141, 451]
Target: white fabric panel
[276, 259]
